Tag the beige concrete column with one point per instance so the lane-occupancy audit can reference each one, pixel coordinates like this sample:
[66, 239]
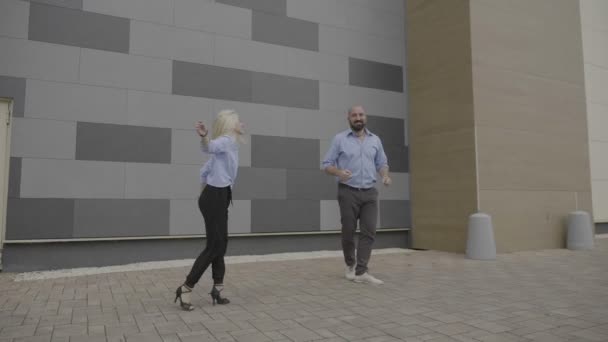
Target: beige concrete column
[497, 120]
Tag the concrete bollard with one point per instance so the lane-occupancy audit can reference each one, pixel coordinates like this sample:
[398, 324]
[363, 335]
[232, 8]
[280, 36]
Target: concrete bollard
[580, 231]
[480, 238]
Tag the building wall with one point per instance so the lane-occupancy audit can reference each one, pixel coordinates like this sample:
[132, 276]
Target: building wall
[107, 93]
[530, 119]
[498, 120]
[594, 20]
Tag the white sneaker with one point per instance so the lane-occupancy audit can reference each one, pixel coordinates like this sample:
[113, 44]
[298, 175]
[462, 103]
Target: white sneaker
[368, 278]
[350, 273]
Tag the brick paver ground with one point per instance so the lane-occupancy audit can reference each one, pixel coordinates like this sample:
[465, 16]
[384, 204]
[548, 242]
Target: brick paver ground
[552, 296]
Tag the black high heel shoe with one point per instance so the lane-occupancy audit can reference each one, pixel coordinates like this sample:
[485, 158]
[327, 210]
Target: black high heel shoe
[216, 298]
[178, 295]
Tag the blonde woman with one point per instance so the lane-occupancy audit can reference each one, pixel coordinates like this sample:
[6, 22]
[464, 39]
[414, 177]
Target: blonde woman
[218, 176]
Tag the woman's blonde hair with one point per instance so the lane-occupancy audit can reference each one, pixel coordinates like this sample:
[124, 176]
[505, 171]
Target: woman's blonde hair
[225, 124]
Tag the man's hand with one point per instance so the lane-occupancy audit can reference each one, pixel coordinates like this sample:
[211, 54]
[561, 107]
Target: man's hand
[201, 129]
[344, 175]
[386, 180]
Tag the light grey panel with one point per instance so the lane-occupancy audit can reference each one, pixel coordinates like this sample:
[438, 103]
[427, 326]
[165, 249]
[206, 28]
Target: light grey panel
[145, 180]
[280, 152]
[160, 11]
[395, 214]
[167, 110]
[271, 216]
[252, 183]
[75, 102]
[314, 124]
[391, 131]
[310, 184]
[169, 42]
[14, 87]
[370, 74]
[399, 188]
[277, 7]
[258, 118]
[186, 148]
[285, 91]
[186, 218]
[40, 138]
[119, 70]
[250, 55]
[43, 61]
[33, 218]
[239, 217]
[75, 4]
[109, 142]
[35, 257]
[62, 178]
[192, 79]
[398, 157]
[14, 177]
[209, 16]
[78, 28]
[121, 217]
[330, 215]
[13, 18]
[286, 31]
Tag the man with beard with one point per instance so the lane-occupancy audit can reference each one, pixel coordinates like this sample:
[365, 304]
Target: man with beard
[354, 158]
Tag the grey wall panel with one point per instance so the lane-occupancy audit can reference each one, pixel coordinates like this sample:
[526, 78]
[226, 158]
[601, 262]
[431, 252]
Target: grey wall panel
[14, 87]
[370, 74]
[277, 7]
[398, 157]
[75, 4]
[109, 142]
[285, 91]
[260, 183]
[286, 31]
[390, 130]
[395, 214]
[280, 152]
[192, 79]
[285, 215]
[14, 177]
[310, 184]
[121, 217]
[74, 27]
[34, 218]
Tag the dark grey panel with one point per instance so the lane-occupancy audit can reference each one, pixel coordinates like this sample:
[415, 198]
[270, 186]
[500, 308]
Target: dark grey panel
[75, 4]
[193, 79]
[285, 31]
[278, 7]
[398, 158]
[280, 152]
[285, 216]
[121, 217]
[395, 214]
[47, 256]
[109, 142]
[310, 184]
[390, 130]
[601, 228]
[39, 218]
[260, 183]
[370, 74]
[14, 178]
[14, 87]
[74, 27]
[285, 91]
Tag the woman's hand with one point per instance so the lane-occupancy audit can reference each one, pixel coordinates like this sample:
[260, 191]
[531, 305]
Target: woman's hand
[201, 129]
